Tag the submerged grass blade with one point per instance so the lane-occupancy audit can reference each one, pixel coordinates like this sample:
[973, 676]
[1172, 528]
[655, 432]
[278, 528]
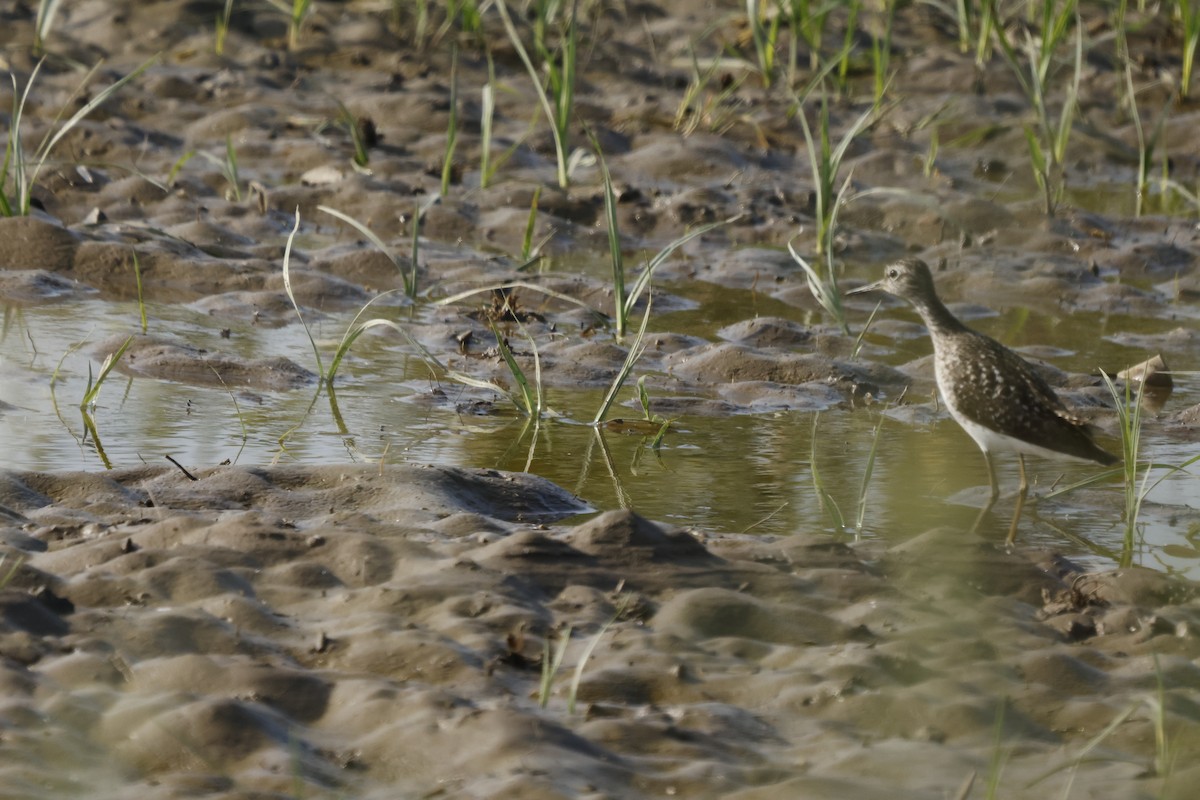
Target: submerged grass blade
[868, 471]
[824, 498]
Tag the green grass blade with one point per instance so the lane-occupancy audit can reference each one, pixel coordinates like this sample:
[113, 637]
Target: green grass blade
[287, 287]
[528, 402]
[93, 390]
[47, 145]
[370, 236]
[487, 115]
[586, 655]
[825, 292]
[141, 300]
[22, 182]
[551, 117]
[12, 571]
[179, 165]
[530, 226]
[354, 330]
[620, 308]
[46, 12]
[643, 279]
[636, 349]
[551, 664]
[231, 168]
[451, 124]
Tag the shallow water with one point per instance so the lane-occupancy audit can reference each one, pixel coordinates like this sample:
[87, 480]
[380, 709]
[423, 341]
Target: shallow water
[713, 473]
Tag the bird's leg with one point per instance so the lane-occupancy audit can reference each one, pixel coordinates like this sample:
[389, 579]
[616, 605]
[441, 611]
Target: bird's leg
[1021, 492]
[987, 459]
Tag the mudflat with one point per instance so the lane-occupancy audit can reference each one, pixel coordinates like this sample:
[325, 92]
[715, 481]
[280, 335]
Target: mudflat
[268, 629]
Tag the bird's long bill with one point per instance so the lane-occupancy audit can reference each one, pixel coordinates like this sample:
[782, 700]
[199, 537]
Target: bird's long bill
[870, 287]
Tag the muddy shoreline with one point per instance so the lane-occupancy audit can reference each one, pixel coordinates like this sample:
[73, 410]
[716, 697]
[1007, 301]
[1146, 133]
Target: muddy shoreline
[359, 634]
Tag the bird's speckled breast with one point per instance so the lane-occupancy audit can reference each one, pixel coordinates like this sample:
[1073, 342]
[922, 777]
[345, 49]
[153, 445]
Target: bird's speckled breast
[984, 383]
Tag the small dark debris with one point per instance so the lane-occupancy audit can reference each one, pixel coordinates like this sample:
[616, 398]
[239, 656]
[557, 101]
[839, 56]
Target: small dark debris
[59, 605]
[505, 307]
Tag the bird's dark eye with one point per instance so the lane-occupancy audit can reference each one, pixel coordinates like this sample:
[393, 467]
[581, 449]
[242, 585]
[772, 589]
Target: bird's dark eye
[893, 273]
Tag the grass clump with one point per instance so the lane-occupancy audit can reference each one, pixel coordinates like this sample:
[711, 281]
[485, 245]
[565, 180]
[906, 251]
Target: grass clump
[47, 10]
[20, 170]
[703, 106]
[1135, 475]
[552, 659]
[221, 28]
[228, 164]
[557, 101]
[625, 296]
[297, 13]
[529, 399]
[807, 20]
[1188, 15]
[93, 385]
[764, 34]
[826, 163]
[1048, 137]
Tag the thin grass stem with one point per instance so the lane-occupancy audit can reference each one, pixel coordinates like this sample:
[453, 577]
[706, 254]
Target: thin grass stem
[451, 123]
[287, 287]
[551, 664]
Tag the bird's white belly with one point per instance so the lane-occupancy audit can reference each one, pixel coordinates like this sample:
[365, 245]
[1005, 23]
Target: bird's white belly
[991, 442]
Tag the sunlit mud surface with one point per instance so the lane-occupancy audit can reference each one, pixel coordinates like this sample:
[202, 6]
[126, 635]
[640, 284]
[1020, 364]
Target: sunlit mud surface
[410, 588]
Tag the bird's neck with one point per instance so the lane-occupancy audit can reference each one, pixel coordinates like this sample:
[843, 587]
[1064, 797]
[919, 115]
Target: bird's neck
[936, 316]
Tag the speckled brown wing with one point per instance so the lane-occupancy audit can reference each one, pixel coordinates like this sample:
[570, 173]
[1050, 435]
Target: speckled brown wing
[999, 390]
